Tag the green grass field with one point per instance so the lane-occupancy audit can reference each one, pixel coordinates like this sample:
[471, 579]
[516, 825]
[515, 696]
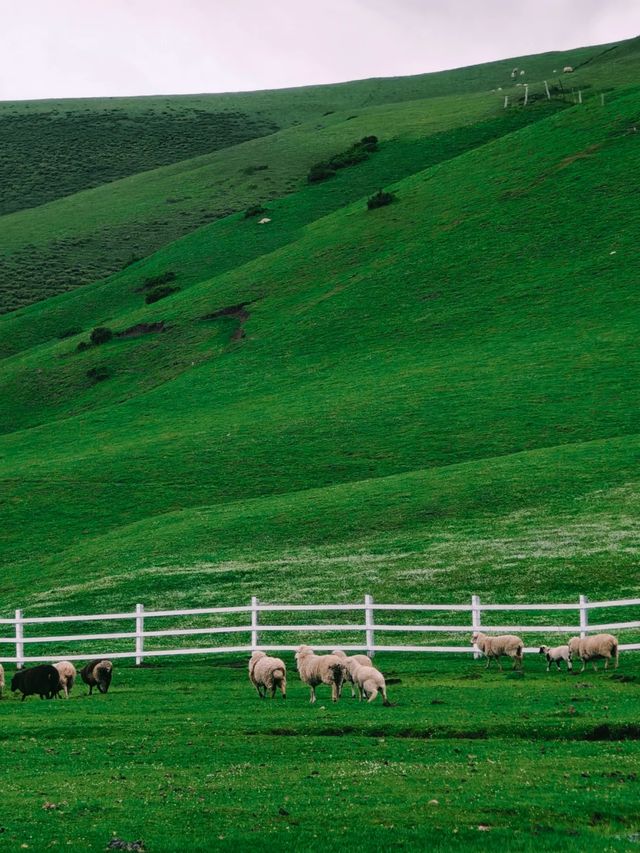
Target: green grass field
[436, 398]
[186, 756]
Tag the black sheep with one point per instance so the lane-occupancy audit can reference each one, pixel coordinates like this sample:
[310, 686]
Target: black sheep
[43, 680]
[97, 674]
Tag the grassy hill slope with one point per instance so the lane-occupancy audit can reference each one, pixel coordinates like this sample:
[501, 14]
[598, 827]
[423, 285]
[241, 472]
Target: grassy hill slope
[89, 234]
[458, 363]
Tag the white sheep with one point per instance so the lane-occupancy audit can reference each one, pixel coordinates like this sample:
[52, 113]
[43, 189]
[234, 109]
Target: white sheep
[369, 681]
[67, 672]
[363, 660]
[267, 673]
[320, 669]
[557, 654]
[568, 69]
[594, 648]
[494, 647]
[1, 680]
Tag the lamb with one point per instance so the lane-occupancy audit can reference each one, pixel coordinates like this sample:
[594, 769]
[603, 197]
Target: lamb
[369, 681]
[320, 669]
[43, 680]
[593, 648]
[1, 680]
[97, 674]
[67, 672]
[363, 660]
[494, 647]
[555, 655]
[267, 673]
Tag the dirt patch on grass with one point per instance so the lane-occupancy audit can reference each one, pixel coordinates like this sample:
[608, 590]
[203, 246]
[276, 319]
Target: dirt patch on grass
[236, 312]
[142, 329]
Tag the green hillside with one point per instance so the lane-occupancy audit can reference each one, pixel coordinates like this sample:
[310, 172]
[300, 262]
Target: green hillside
[442, 392]
[59, 150]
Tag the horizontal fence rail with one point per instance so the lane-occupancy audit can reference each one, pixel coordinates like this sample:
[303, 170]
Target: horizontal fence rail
[134, 640]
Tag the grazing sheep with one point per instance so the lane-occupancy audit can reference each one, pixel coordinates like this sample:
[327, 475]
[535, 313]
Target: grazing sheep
[494, 647]
[1, 680]
[594, 648]
[369, 681]
[363, 660]
[568, 69]
[555, 655]
[67, 672]
[97, 674]
[43, 680]
[267, 673]
[320, 669]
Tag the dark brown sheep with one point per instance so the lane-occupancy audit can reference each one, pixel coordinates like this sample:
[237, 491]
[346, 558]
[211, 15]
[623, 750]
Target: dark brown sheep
[97, 674]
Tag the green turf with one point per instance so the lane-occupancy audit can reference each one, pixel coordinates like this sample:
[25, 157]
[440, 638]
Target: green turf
[186, 756]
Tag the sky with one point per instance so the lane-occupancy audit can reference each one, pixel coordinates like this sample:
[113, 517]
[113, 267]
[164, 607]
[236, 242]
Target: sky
[84, 48]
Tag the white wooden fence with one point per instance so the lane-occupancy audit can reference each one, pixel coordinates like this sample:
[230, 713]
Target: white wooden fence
[257, 632]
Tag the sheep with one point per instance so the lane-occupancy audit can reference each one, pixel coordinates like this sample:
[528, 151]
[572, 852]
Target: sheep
[593, 648]
[1, 680]
[320, 669]
[363, 660]
[568, 69]
[67, 672]
[369, 681]
[43, 680]
[267, 673]
[494, 647]
[97, 674]
[555, 655]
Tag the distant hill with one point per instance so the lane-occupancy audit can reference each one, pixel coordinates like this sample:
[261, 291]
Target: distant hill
[432, 396]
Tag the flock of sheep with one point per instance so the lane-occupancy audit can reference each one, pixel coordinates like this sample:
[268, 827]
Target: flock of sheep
[269, 674]
[599, 647]
[48, 681]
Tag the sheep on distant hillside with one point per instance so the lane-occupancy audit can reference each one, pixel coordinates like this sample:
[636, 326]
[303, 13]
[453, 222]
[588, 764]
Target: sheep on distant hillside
[67, 672]
[595, 648]
[43, 680]
[363, 660]
[568, 69]
[494, 647]
[97, 674]
[555, 655]
[267, 673]
[320, 669]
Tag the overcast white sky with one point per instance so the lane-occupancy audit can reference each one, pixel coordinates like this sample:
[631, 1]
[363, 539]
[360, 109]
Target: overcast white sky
[74, 48]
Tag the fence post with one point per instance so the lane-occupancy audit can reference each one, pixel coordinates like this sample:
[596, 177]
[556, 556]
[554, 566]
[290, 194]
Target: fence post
[254, 623]
[368, 624]
[476, 620]
[19, 639]
[546, 88]
[584, 616]
[139, 633]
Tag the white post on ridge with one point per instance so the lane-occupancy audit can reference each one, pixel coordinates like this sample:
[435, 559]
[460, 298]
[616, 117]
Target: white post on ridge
[584, 616]
[546, 88]
[368, 624]
[19, 639]
[476, 619]
[139, 633]
[254, 623]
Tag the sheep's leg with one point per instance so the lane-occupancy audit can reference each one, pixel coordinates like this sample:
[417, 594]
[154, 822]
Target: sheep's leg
[595, 666]
[313, 695]
[373, 694]
[584, 666]
[335, 692]
[606, 663]
[273, 691]
[499, 664]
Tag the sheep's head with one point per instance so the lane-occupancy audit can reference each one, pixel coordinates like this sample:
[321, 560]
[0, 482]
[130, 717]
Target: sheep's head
[102, 674]
[475, 638]
[544, 650]
[257, 655]
[339, 653]
[303, 651]
[16, 681]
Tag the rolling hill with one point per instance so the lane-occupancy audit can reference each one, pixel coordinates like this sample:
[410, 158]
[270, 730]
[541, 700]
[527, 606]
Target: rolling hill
[421, 400]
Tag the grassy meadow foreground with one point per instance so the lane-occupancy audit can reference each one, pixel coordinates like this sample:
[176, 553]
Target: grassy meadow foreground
[186, 757]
